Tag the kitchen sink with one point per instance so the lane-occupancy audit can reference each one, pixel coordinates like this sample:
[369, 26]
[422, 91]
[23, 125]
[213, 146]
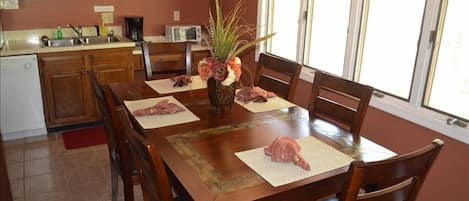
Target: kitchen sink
[99, 40]
[89, 40]
[62, 42]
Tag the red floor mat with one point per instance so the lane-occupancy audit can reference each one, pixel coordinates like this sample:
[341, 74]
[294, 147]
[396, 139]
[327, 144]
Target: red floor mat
[84, 137]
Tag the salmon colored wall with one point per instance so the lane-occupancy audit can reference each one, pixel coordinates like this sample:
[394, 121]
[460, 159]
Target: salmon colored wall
[449, 177]
[35, 14]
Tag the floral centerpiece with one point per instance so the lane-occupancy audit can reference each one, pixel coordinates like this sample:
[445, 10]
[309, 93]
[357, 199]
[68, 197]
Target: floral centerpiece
[227, 38]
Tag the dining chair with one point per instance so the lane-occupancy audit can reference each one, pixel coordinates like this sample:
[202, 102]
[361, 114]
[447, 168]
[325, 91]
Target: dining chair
[339, 101]
[117, 146]
[396, 179]
[156, 183]
[163, 60]
[277, 74]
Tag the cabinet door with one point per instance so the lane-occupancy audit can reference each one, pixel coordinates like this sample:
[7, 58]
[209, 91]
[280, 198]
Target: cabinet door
[67, 92]
[112, 65]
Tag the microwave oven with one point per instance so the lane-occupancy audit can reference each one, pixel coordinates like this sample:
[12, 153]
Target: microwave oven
[183, 33]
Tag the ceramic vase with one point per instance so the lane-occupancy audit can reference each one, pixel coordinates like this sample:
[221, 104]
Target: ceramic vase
[221, 97]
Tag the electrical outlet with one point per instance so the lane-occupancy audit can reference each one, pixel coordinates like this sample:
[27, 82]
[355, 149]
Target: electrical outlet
[176, 15]
[107, 18]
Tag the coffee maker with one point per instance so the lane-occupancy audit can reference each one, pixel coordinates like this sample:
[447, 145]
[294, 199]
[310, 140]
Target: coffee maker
[134, 28]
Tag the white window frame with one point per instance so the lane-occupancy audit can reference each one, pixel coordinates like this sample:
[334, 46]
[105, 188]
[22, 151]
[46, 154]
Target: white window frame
[413, 111]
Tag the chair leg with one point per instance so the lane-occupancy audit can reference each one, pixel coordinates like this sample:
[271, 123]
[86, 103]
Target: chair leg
[128, 187]
[145, 197]
[114, 182]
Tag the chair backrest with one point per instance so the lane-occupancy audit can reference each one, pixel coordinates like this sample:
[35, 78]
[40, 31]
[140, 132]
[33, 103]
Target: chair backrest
[154, 180]
[340, 101]
[395, 179]
[277, 74]
[118, 147]
[163, 60]
[105, 114]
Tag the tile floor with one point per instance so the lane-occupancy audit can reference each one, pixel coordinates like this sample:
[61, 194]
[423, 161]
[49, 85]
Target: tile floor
[41, 169]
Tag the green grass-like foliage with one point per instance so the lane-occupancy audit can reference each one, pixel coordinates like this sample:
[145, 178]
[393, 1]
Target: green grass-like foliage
[227, 36]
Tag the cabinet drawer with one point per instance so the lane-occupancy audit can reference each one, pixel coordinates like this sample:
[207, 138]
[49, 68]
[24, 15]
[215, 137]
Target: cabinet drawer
[106, 57]
[62, 62]
[114, 65]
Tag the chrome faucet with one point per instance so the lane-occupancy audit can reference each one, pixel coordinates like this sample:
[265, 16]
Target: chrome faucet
[77, 30]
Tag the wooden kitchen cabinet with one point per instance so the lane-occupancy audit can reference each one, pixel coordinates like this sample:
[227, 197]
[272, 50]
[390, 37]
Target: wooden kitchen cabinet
[67, 95]
[66, 89]
[112, 65]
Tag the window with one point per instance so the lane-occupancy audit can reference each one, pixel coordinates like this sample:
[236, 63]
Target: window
[448, 86]
[327, 27]
[388, 46]
[283, 20]
[414, 53]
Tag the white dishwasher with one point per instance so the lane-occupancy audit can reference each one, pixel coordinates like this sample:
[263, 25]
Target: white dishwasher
[21, 109]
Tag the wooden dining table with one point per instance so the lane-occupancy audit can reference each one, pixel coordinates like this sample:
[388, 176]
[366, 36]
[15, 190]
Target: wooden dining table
[201, 153]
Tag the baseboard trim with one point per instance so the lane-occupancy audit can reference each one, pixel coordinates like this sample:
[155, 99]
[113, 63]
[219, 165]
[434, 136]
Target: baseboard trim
[24, 134]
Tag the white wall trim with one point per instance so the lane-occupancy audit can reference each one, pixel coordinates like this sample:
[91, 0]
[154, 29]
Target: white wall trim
[261, 27]
[423, 117]
[24, 134]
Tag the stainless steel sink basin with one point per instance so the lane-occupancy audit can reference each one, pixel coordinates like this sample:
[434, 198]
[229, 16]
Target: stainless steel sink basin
[62, 42]
[99, 40]
[89, 40]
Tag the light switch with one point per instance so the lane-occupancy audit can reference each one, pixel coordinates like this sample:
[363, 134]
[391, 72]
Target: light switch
[176, 15]
[108, 18]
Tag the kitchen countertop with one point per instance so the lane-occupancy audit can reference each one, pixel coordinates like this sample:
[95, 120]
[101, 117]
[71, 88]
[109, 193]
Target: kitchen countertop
[20, 47]
[22, 42]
